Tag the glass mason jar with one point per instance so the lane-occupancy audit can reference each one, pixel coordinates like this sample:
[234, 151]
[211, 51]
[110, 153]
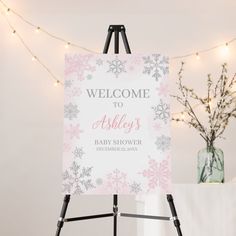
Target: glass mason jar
[211, 165]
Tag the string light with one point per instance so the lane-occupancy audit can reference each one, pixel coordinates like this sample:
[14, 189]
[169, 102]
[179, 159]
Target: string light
[8, 11]
[34, 58]
[13, 32]
[225, 50]
[226, 45]
[44, 30]
[197, 56]
[56, 83]
[67, 45]
[37, 30]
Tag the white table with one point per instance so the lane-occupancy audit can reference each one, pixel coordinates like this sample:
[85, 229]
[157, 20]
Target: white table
[204, 210]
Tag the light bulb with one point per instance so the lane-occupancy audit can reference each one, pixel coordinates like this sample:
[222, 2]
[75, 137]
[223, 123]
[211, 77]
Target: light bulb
[37, 29]
[8, 11]
[56, 83]
[225, 50]
[226, 47]
[197, 56]
[13, 32]
[34, 58]
[67, 45]
[182, 115]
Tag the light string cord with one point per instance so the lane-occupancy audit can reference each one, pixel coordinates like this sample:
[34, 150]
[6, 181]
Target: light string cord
[15, 32]
[204, 50]
[69, 43]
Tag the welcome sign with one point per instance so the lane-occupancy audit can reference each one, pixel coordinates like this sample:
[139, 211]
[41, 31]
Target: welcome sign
[116, 124]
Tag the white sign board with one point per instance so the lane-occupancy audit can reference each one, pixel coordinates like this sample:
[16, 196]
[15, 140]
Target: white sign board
[116, 124]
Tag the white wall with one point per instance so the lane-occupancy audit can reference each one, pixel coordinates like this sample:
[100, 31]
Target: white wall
[31, 108]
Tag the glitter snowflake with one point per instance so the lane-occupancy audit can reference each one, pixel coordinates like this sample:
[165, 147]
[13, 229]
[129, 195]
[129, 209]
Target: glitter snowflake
[72, 92]
[77, 179]
[116, 181]
[78, 152]
[99, 62]
[163, 143]
[158, 174]
[89, 76]
[163, 89]
[66, 147]
[78, 64]
[73, 131]
[116, 66]
[136, 60]
[68, 83]
[135, 188]
[157, 127]
[99, 181]
[164, 65]
[155, 65]
[76, 92]
[162, 111]
[71, 111]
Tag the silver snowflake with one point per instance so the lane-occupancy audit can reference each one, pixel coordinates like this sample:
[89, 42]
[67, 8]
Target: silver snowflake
[77, 179]
[162, 111]
[78, 152]
[99, 181]
[116, 66]
[135, 188]
[163, 143]
[164, 65]
[99, 62]
[68, 83]
[71, 111]
[156, 66]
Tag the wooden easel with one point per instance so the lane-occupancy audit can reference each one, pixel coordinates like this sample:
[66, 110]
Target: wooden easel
[117, 29]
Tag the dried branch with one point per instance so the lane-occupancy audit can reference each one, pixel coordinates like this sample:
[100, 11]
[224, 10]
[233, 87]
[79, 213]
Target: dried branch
[222, 94]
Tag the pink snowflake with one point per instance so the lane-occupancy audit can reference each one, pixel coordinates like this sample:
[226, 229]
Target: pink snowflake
[74, 131]
[158, 174]
[157, 126]
[163, 89]
[78, 64]
[136, 60]
[131, 68]
[74, 92]
[66, 147]
[116, 181]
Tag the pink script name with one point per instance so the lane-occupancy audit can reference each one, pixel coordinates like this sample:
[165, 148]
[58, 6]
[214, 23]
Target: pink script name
[117, 122]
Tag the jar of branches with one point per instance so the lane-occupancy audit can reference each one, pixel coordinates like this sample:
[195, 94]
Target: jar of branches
[219, 106]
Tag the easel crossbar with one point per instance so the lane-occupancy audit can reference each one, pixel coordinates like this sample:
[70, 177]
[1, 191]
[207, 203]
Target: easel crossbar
[146, 216]
[88, 217]
[118, 214]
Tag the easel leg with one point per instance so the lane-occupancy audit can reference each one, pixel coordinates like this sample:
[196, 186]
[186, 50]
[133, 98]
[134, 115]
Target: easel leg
[125, 40]
[116, 42]
[174, 214]
[108, 40]
[60, 222]
[115, 211]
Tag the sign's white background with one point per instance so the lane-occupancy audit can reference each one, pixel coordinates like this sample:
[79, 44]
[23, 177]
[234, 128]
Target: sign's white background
[147, 115]
[31, 114]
